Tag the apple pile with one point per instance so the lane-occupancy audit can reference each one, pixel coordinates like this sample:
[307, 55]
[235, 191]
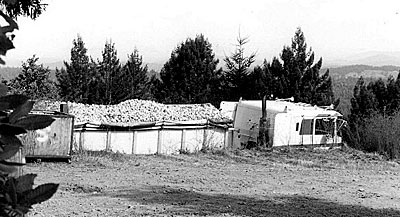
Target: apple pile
[135, 111]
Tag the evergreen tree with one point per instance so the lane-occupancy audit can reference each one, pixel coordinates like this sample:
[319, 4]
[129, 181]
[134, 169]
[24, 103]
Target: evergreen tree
[379, 89]
[363, 103]
[96, 83]
[280, 78]
[323, 94]
[110, 71]
[155, 86]
[393, 95]
[74, 80]
[363, 106]
[261, 82]
[237, 76]
[34, 81]
[134, 79]
[190, 75]
[270, 80]
[299, 76]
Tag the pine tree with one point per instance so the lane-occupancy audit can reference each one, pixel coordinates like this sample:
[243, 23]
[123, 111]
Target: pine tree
[261, 82]
[110, 70]
[34, 81]
[190, 75]
[237, 75]
[323, 94]
[363, 103]
[270, 80]
[73, 81]
[379, 89]
[133, 79]
[393, 95]
[299, 76]
[96, 83]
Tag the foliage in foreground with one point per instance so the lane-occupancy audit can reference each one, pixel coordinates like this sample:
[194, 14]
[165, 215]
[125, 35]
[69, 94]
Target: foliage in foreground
[17, 195]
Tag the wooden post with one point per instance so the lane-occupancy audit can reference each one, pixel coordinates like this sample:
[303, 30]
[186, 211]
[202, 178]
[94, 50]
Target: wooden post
[134, 142]
[226, 138]
[108, 140]
[81, 140]
[160, 140]
[183, 140]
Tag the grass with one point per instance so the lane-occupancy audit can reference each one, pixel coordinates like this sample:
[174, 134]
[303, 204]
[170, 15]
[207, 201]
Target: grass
[340, 158]
[101, 158]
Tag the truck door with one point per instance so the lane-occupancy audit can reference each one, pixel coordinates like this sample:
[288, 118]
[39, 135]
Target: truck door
[281, 129]
[295, 124]
[306, 131]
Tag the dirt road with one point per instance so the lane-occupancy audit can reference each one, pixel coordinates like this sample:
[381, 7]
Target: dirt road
[291, 182]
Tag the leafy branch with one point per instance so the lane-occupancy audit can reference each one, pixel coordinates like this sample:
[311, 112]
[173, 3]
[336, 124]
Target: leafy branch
[17, 195]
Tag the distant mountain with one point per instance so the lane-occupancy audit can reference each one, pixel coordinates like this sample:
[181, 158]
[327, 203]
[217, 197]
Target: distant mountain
[366, 71]
[371, 58]
[9, 73]
[54, 65]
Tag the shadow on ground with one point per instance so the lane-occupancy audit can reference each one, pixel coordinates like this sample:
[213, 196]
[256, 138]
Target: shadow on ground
[179, 201]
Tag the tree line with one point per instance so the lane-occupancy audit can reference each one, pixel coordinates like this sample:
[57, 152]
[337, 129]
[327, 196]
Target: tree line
[191, 75]
[374, 120]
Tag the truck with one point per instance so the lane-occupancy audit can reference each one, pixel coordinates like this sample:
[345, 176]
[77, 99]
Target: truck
[288, 123]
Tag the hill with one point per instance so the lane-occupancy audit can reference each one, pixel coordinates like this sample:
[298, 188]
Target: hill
[8, 73]
[372, 58]
[366, 71]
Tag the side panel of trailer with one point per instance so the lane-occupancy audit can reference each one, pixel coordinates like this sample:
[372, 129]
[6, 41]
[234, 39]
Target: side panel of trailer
[146, 142]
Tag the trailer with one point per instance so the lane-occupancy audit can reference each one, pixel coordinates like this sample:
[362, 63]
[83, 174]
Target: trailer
[164, 137]
[289, 124]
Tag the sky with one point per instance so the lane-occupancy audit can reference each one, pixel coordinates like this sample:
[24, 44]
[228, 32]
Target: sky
[333, 28]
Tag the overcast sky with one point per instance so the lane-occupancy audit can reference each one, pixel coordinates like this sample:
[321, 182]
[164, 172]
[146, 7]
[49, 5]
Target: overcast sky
[333, 28]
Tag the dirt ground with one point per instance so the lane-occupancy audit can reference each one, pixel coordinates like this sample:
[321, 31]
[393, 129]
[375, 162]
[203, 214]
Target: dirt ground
[289, 182]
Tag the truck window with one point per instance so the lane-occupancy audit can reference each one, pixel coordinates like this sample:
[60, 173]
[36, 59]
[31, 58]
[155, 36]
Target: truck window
[306, 127]
[324, 126]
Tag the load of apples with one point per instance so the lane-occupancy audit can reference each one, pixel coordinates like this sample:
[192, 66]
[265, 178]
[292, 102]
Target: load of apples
[135, 111]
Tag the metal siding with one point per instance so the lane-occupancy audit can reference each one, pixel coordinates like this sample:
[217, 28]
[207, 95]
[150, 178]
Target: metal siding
[94, 141]
[76, 141]
[194, 140]
[215, 138]
[121, 142]
[281, 130]
[171, 141]
[147, 142]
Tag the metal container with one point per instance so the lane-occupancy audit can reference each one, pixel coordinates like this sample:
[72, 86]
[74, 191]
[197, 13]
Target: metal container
[55, 141]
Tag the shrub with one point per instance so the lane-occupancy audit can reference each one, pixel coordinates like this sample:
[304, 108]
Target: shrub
[381, 134]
